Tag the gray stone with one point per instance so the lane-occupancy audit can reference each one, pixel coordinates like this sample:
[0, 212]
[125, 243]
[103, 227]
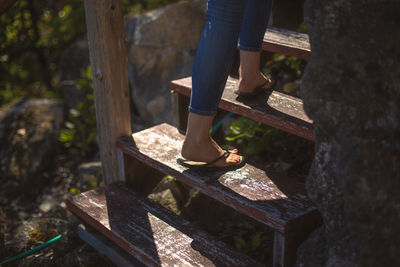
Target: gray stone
[208, 211]
[48, 203]
[170, 194]
[312, 252]
[31, 130]
[161, 47]
[167, 200]
[75, 59]
[36, 231]
[351, 90]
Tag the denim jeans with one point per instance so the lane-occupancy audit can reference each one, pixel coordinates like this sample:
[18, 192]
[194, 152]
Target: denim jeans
[227, 22]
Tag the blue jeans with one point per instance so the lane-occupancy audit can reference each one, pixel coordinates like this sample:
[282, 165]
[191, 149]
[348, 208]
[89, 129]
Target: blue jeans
[227, 22]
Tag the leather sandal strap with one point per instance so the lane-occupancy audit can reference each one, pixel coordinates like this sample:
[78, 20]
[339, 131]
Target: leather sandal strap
[220, 157]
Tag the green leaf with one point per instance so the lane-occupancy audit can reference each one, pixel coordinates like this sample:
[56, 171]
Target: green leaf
[240, 244]
[256, 241]
[233, 138]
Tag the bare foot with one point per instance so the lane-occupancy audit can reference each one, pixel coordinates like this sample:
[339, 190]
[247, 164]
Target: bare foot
[248, 84]
[208, 150]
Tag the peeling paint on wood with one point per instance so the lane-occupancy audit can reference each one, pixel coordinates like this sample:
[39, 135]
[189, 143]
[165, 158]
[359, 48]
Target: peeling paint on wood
[151, 233]
[273, 108]
[262, 194]
[287, 42]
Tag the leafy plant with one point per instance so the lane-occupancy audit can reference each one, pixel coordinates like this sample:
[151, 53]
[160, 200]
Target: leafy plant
[282, 64]
[249, 134]
[34, 36]
[87, 182]
[255, 138]
[248, 247]
[80, 129]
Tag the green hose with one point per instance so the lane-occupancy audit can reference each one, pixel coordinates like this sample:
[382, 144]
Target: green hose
[23, 254]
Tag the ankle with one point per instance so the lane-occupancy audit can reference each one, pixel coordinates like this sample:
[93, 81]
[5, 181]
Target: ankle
[192, 146]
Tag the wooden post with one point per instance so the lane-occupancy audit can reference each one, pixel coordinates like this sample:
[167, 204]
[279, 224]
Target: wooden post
[278, 258]
[181, 111]
[105, 28]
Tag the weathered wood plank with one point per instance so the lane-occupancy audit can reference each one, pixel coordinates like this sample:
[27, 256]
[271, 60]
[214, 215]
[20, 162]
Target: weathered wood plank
[108, 59]
[269, 197]
[272, 108]
[151, 233]
[287, 42]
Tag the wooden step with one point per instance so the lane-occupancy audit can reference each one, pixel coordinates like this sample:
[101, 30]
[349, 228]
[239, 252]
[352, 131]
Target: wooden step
[267, 196]
[287, 42]
[151, 233]
[273, 108]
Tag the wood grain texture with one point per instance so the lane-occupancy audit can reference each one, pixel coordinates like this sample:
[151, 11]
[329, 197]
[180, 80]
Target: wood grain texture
[287, 42]
[151, 233]
[272, 108]
[269, 197]
[108, 59]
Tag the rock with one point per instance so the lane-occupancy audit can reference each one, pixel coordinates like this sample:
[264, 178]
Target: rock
[313, 250]
[161, 47]
[206, 210]
[291, 87]
[170, 194]
[75, 59]
[48, 203]
[31, 130]
[36, 231]
[180, 191]
[167, 200]
[351, 91]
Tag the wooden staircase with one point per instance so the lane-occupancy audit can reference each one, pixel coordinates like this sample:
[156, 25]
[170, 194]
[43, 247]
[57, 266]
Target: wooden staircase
[156, 236]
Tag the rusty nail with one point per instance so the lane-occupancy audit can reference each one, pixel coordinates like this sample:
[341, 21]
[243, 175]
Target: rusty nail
[98, 75]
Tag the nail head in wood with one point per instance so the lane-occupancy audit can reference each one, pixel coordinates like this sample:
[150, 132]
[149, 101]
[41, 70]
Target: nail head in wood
[98, 75]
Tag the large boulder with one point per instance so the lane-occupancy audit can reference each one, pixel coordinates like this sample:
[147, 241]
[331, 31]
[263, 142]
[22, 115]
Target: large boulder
[161, 47]
[29, 131]
[351, 91]
[75, 59]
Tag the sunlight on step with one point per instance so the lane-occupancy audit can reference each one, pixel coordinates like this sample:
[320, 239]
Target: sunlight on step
[243, 183]
[171, 244]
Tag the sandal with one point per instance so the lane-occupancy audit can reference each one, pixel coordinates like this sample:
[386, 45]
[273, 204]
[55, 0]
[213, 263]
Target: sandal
[209, 165]
[258, 90]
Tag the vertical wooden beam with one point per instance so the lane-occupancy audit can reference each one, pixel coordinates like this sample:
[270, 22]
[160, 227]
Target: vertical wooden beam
[105, 27]
[278, 257]
[181, 111]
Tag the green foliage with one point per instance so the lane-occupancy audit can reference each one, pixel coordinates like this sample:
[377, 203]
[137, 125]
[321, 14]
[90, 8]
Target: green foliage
[87, 182]
[33, 38]
[80, 129]
[251, 135]
[248, 247]
[255, 138]
[286, 64]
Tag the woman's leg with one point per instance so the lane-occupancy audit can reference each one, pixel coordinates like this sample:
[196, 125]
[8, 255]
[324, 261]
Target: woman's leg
[210, 71]
[254, 25]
